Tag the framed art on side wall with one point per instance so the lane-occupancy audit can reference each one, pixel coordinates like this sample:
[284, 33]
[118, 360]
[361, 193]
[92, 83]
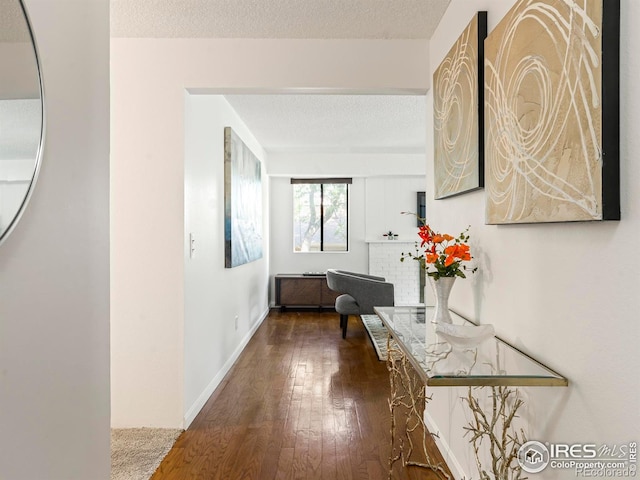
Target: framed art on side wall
[458, 113]
[242, 202]
[552, 113]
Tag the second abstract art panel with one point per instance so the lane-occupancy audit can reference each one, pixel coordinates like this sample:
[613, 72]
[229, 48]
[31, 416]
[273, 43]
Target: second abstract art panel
[551, 114]
[458, 113]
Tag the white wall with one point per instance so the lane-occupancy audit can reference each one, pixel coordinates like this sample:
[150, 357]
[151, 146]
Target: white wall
[340, 164]
[215, 295]
[148, 81]
[54, 280]
[567, 294]
[387, 197]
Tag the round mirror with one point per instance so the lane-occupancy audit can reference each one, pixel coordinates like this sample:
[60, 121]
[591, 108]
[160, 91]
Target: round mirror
[21, 113]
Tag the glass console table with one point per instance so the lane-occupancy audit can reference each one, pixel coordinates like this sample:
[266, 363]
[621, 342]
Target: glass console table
[492, 362]
[420, 356]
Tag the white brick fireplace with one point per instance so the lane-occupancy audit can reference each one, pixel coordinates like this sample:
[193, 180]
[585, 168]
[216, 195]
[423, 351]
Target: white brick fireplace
[384, 261]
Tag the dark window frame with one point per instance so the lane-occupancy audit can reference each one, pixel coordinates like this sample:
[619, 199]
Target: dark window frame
[322, 182]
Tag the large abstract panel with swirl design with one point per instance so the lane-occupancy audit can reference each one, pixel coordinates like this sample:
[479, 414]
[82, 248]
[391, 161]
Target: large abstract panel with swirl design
[457, 113]
[552, 113]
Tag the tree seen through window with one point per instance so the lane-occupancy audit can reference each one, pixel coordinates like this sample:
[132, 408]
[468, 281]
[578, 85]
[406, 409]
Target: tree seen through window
[320, 217]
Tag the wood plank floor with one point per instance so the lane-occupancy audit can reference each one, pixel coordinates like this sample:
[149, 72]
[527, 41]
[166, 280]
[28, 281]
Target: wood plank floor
[300, 403]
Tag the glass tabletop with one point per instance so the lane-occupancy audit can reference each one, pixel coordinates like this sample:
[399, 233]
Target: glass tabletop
[461, 353]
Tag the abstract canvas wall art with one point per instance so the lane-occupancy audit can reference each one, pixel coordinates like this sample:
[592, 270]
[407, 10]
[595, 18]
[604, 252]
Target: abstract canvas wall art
[242, 202]
[458, 114]
[552, 113]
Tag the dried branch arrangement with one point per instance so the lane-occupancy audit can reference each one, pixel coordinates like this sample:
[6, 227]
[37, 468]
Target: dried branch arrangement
[407, 404]
[497, 428]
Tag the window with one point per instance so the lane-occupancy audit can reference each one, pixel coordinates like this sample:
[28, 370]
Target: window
[320, 215]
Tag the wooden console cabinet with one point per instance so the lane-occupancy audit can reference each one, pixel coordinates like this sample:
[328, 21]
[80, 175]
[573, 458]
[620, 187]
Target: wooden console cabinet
[299, 290]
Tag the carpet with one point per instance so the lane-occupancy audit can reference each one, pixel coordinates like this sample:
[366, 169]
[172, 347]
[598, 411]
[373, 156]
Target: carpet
[136, 453]
[377, 333]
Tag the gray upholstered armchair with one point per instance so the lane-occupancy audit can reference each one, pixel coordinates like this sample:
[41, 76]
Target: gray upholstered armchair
[360, 293]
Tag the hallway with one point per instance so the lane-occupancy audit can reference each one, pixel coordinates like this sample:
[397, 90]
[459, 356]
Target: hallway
[300, 402]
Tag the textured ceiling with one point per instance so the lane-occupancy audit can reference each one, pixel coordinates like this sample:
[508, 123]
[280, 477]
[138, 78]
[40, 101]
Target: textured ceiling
[335, 123]
[330, 123]
[364, 19]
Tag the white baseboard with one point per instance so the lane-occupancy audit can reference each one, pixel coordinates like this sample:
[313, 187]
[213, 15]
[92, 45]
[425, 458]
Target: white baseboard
[452, 462]
[208, 391]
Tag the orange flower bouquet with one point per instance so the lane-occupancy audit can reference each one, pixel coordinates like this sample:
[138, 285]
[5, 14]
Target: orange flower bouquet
[441, 254]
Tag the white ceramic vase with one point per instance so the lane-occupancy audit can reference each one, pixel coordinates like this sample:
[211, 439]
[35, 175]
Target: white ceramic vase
[441, 290]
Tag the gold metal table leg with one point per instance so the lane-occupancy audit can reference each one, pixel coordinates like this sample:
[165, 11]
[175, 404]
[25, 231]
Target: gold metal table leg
[409, 434]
